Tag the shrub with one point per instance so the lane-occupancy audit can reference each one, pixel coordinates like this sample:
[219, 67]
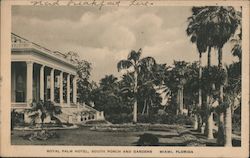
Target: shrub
[119, 118]
[143, 118]
[16, 119]
[236, 122]
[183, 120]
[148, 139]
[165, 119]
[169, 119]
[46, 108]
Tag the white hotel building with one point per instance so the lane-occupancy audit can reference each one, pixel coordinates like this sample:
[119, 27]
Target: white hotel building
[38, 73]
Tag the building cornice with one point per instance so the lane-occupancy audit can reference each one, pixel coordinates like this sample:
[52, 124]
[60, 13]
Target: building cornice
[20, 44]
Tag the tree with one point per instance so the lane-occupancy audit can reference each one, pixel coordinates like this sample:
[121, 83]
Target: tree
[148, 99]
[175, 81]
[84, 85]
[41, 110]
[232, 95]
[224, 21]
[199, 35]
[212, 77]
[108, 97]
[137, 64]
[109, 83]
[220, 23]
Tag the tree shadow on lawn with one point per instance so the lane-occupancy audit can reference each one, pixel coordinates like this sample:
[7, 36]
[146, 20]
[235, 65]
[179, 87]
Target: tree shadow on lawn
[189, 139]
[148, 139]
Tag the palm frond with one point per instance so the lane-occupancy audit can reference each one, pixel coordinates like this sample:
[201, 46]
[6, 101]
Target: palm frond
[147, 63]
[135, 56]
[124, 64]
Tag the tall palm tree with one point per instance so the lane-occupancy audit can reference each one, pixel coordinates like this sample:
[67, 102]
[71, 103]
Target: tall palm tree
[137, 65]
[221, 23]
[199, 35]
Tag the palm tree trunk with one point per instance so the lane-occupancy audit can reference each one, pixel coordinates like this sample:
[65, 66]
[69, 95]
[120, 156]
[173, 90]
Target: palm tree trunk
[228, 127]
[210, 114]
[200, 75]
[209, 56]
[197, 125]
[144, 107]
[228, 120]
[196, 122]
[221, 115]
[135, 103]
[148, 107]
[220, 57]
[209, 121]
[181, 100]
[178, 102]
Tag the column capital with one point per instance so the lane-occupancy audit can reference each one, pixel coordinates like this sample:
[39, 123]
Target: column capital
[52, 71]
[29, 62]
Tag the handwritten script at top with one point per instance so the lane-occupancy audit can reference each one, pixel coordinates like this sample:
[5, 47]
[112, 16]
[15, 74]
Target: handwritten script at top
[92, 3]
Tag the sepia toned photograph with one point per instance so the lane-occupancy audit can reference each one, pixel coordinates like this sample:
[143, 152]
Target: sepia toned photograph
[95, 73]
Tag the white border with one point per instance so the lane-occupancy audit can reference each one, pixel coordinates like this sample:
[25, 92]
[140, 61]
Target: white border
[30, 151]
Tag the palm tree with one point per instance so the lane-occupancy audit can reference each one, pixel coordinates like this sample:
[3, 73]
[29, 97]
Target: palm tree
[175, 81]
[221, 23]
[137, 65]
[41, 110]
[149, 98]
[199, 35]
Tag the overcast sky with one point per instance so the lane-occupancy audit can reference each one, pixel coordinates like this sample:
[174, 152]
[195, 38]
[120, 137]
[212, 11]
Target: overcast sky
[103, 37]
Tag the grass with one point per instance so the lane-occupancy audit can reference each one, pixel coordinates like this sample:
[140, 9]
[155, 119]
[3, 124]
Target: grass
[83, 136]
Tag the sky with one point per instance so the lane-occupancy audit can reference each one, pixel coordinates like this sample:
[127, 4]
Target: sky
[104, 37]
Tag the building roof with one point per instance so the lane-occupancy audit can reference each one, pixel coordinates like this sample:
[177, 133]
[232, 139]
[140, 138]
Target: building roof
[18, 42]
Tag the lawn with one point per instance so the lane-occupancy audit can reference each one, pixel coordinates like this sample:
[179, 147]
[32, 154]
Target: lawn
[85, 137]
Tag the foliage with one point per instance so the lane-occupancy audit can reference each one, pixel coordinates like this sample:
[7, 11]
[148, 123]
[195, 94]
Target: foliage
[167, 118]
[107, 97]
[41, 110]
[119, 118]
[182, 74]
[212, 75]
[212, 25]
[41, 135]
[140, 68]
[16, 119]
[84, 84]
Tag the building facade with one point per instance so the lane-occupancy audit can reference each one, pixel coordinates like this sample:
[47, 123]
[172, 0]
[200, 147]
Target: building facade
[38, 73]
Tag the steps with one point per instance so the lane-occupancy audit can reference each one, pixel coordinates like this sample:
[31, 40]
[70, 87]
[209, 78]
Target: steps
[75, 113]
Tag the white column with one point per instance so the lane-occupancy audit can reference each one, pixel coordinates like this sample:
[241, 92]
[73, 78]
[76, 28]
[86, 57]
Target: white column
[52, 88]
[42, 82]
[75, 90]
[61, 88]
[29, 84]
[68, 89]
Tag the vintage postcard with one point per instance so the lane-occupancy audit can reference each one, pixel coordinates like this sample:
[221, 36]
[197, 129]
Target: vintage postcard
[124, 78]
